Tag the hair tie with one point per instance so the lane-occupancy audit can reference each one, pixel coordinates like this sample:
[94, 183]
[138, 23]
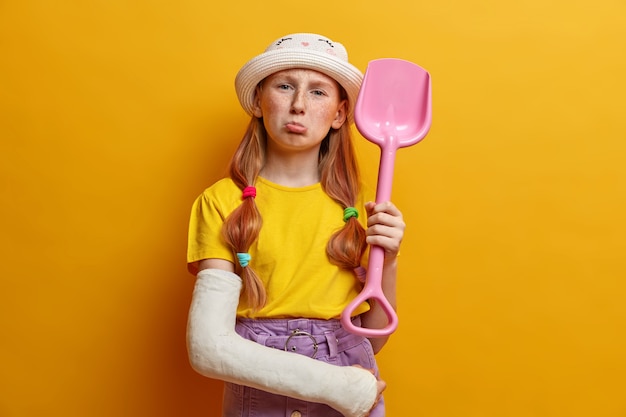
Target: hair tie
[361, 273]
[350, 212]
[244, 259]
[249, 191]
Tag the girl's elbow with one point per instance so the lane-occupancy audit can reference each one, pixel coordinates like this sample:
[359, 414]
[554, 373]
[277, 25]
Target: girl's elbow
[201, 355]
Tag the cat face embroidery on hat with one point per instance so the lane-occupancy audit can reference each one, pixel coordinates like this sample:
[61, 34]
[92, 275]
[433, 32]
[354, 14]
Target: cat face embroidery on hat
[311, 42]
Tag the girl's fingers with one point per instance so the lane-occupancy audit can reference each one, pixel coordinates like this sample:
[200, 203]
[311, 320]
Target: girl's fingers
[383, 213]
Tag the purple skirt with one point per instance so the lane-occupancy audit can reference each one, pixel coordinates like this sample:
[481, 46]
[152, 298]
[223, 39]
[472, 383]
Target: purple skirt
[324, 340]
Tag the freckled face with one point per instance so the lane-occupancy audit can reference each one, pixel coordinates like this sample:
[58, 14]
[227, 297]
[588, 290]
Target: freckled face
[299, 107]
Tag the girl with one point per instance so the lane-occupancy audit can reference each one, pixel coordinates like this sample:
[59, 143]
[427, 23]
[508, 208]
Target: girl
[278, 246]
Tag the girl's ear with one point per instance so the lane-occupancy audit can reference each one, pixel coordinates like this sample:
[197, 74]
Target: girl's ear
[256, 109]
[341, 116]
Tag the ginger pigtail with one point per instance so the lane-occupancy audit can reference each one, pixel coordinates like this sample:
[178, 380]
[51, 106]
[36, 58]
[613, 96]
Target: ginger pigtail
[241, 228]
[341, 180]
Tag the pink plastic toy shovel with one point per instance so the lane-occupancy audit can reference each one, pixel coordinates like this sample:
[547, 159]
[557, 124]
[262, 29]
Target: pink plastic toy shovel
[393, 110]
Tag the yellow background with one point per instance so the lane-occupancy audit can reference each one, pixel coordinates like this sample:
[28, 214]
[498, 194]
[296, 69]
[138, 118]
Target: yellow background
[114, 115]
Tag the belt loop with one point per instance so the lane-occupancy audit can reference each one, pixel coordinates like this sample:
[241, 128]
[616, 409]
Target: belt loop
[331, 339]
[299, 325]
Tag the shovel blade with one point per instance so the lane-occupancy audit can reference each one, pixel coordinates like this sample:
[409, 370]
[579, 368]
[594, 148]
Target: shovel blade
[394, 103]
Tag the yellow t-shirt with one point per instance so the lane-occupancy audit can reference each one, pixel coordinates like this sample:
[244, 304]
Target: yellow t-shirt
[290, 254]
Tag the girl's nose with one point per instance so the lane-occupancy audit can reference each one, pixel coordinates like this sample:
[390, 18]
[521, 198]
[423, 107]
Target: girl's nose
[297, 104]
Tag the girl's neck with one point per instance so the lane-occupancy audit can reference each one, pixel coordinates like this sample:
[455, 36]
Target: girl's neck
[291, 172]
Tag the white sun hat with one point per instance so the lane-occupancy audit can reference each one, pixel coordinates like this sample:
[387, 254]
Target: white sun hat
[299, 50]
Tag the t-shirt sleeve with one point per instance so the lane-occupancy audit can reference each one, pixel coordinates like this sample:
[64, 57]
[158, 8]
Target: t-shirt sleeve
[205, 226]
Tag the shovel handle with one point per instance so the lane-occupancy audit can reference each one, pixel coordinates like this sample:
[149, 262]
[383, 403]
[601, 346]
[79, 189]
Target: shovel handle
[373, 282]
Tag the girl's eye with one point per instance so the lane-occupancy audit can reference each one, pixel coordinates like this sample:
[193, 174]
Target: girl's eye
[318, 92]
[283, 87]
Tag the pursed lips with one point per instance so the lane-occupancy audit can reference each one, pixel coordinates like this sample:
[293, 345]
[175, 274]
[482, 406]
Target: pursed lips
[295, 127]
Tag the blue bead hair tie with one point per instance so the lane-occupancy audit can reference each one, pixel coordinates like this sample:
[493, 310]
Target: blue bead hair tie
[350, 212]
[244, 259]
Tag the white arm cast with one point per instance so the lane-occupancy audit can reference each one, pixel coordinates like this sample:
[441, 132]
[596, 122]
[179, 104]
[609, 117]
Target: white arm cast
[217, 351]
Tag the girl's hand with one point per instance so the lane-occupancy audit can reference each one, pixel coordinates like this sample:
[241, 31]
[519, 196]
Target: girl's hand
[385, 227]
[380, 387]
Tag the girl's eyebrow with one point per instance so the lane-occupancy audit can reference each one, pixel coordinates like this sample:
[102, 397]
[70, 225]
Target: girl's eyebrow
[322, 83]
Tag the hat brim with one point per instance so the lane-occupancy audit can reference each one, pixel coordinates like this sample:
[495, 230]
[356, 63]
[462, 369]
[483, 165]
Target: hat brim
[270, 62]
